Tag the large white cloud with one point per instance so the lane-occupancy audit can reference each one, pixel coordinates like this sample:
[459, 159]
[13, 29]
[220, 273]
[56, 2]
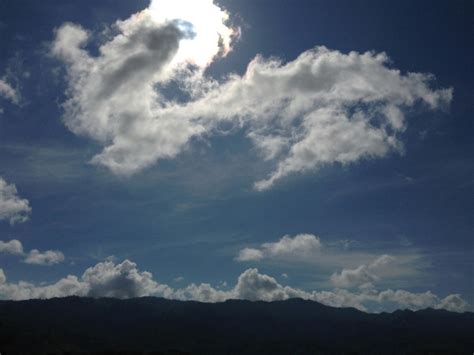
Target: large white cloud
[34, 256]
[13, 208]
[125, 280]
[113, 97]
[323, 107]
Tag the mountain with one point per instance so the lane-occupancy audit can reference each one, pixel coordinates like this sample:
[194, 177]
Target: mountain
[75, 325]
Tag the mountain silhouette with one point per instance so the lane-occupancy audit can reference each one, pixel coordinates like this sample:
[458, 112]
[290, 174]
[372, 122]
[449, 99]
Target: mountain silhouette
[149, 325]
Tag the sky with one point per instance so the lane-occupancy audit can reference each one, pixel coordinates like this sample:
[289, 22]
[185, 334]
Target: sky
[259, 150]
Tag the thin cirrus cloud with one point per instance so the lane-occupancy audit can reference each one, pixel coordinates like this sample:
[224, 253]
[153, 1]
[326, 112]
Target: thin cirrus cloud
[125, 280]
[13, 208]
[34, 256]
[322, 107]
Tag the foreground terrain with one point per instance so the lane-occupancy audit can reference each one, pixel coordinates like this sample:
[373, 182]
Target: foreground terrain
[154, 325]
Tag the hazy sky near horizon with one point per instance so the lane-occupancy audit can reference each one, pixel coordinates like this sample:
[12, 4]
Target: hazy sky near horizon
[238, 149]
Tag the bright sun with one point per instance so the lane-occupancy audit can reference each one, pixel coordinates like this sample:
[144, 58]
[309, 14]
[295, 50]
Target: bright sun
[208, 21]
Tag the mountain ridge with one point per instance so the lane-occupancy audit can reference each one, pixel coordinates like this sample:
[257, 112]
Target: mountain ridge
[149, 324]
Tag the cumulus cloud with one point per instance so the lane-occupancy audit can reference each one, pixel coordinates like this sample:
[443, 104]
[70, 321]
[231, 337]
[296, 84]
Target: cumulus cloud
[358, 267]
[125, 280]
[34, 256]
[362, 275]
[113, 96]
[105, 279]
[13, 208]
[322, 107]
[454, 303]
[11, 247]
[301, 246]
[349, 277]
[49, 257]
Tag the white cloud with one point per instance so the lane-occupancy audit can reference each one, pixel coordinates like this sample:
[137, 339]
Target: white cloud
[13, 208]
[297, 248]
[2, 277]
[363, 274]
[359, 267]
[382, 262]
[251, 285]
[203, 293]
[178, 279]
[249, 254]
[454, 303]
[8, 92]
[353, 277]
[11, 247]
[124, 280]
[408, 299]
[69, 286]
[300, 245]
[49, 257]
[323, 107]
[34, 256]
[113, 97]
[105, 279]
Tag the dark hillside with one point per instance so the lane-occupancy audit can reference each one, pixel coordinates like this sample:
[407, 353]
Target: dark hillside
[145, 325]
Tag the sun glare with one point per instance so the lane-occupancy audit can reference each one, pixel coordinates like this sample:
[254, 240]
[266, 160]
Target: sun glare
[211, 35]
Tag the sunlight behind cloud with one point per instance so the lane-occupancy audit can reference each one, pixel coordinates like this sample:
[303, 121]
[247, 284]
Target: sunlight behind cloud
[300, 114]
[205, 20]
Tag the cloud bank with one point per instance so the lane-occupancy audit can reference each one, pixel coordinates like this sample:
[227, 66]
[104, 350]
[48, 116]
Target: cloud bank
[321, 108]
[125, 280]
[13, 208]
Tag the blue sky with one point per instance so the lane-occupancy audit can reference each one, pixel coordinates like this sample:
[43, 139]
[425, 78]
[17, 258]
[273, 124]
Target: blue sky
[382, 205]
